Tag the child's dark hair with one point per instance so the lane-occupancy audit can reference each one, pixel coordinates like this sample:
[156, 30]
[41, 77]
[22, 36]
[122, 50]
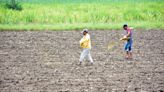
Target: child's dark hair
[125, 25]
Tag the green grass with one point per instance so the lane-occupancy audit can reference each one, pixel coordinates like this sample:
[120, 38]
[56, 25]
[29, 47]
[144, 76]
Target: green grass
[91, 26]
[79, 14]
[80, 1]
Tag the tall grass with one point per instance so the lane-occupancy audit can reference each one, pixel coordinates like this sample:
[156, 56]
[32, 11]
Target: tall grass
[82, 13]
[86, 1]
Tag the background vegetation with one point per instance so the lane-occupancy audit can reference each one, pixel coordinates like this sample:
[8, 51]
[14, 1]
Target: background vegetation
[78, 14]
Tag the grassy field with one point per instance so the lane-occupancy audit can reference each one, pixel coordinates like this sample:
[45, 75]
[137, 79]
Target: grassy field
[78, 14]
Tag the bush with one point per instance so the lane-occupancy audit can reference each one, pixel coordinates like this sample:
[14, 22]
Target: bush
[14, 5]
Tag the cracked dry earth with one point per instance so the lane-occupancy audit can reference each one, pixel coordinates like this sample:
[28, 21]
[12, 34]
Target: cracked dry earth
[47, 61]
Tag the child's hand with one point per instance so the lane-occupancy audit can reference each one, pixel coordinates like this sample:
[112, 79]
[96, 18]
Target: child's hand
[124, 38]
[120, 39]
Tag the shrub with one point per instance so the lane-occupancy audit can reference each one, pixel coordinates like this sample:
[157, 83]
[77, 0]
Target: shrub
[14, 5]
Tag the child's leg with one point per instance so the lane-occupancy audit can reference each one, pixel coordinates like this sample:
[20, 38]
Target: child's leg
[127, 50]
[130, 52]
[130, 49]
[90, 57]
[83, 55]
[127, 55]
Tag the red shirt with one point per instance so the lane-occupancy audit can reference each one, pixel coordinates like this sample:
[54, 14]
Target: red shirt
[129, 30]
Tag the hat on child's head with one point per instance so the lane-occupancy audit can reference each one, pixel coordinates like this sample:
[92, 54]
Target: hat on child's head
[84, 30]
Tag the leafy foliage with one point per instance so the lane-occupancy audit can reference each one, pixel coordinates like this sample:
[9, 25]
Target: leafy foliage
[13, 4]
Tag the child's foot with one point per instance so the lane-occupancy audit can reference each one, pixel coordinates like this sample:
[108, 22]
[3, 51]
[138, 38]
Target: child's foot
[91, 63]
[126, 57]
[130, 57]
[80, 63]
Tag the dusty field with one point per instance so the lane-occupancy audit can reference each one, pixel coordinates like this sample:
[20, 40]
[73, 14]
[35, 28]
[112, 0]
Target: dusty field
[47, 62]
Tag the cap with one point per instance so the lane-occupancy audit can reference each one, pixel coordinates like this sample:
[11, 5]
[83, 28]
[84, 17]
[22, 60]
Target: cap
[84, 30]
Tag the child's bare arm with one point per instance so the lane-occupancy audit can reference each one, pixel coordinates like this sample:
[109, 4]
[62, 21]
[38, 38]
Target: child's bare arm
[128, 35]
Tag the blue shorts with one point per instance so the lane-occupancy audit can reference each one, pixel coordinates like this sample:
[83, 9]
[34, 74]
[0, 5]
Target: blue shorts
[128, 45]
